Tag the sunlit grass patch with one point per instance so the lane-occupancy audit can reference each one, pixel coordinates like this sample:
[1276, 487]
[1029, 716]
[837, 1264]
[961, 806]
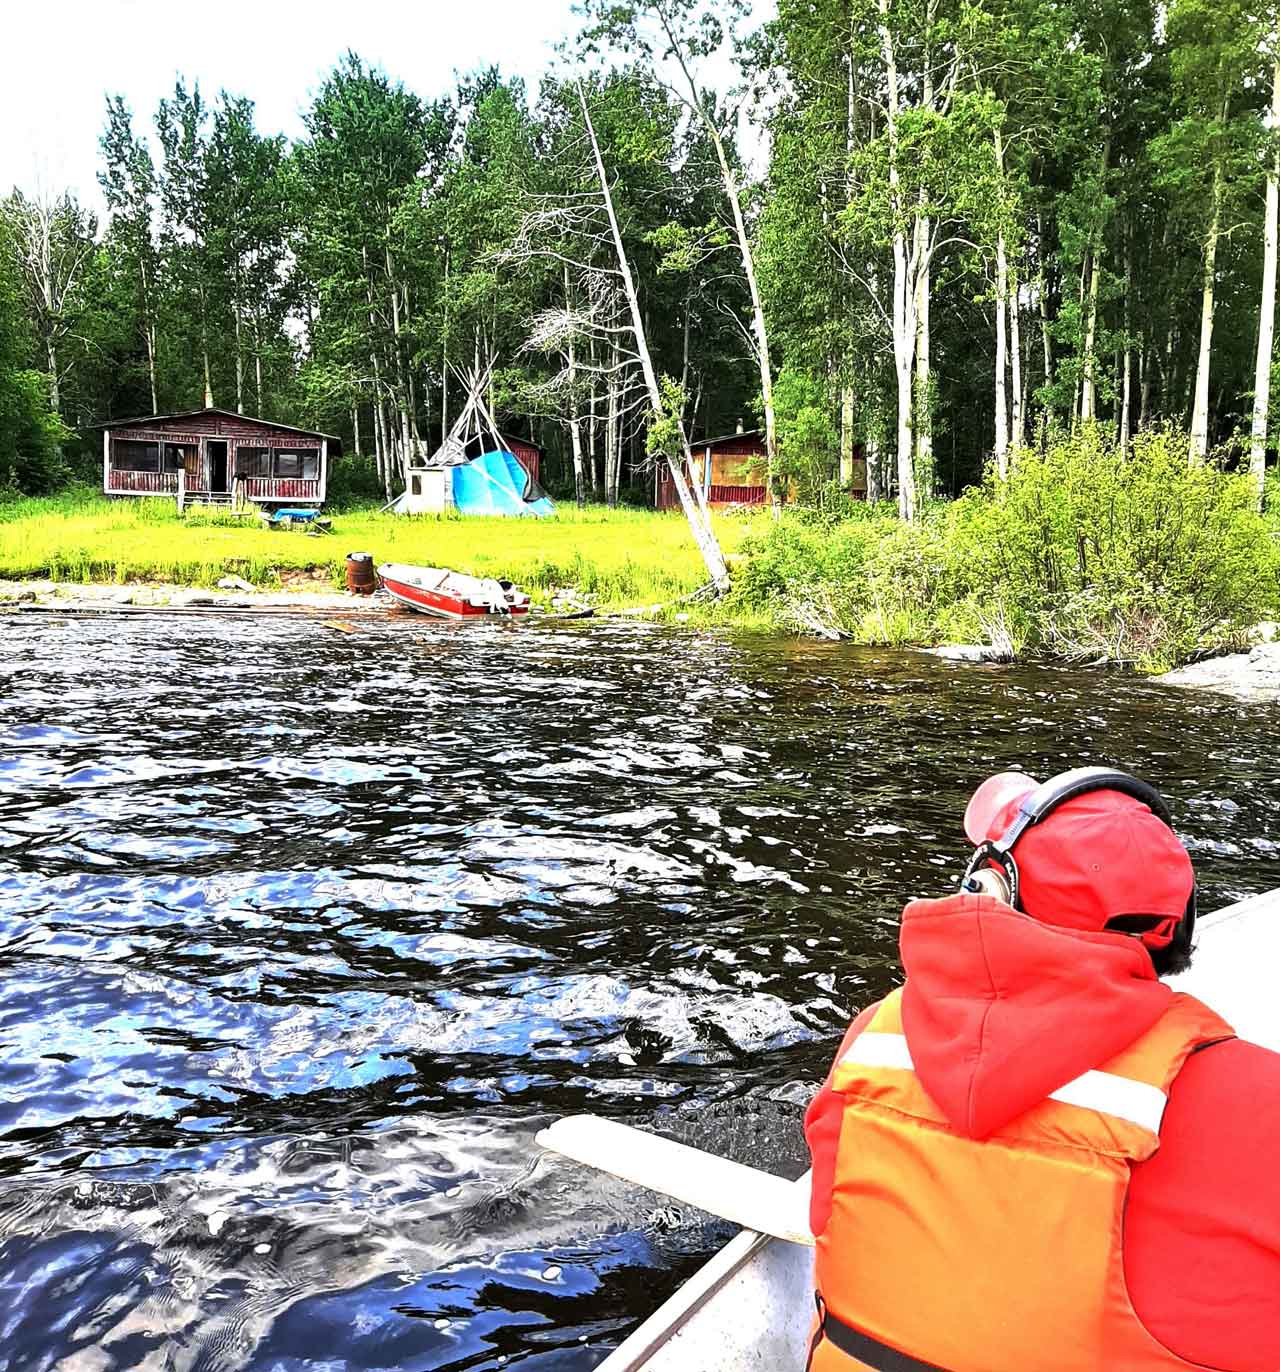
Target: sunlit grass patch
[617, 557]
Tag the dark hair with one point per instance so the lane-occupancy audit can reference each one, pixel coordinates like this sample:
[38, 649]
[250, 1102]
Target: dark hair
[1173, 958]
[1170, 960]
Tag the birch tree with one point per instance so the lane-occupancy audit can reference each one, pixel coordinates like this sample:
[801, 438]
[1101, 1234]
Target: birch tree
[1267, 310]
[580, 231]
[54, 242]
[1206, 157]
[677, 35]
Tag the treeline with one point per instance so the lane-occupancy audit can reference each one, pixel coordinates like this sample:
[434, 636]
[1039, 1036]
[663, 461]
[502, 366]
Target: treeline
[954, 224]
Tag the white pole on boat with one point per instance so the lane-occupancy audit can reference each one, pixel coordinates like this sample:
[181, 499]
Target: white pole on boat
[744, 1195]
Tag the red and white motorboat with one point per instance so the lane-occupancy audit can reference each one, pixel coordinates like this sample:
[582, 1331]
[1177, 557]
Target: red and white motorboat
[451, 595]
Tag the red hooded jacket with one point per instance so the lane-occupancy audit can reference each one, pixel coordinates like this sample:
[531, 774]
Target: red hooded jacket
[999, 1010]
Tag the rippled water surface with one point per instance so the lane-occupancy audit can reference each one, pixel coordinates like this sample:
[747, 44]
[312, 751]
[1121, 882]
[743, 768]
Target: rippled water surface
[303, 935]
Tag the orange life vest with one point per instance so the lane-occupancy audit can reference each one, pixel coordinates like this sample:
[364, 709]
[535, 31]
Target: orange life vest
[995, 1255]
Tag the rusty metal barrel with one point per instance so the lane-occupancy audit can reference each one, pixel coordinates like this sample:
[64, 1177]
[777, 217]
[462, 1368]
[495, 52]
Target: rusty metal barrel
[360, 575]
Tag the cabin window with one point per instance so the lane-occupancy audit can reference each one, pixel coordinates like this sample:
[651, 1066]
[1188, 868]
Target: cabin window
[253, 461]
[129, 455]
[298, 462]
[178, 455]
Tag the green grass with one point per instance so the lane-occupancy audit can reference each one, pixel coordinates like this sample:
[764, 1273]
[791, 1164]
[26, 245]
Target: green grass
[621, 557]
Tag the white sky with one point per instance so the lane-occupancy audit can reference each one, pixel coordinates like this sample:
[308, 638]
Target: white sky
[60, 59]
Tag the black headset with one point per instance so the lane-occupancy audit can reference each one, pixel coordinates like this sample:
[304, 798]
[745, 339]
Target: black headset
[995, 857]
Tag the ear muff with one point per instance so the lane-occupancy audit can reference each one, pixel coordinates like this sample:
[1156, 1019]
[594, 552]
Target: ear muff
[993, 869]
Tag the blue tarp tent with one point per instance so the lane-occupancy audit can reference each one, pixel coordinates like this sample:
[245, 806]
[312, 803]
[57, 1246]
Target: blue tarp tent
[496, 484]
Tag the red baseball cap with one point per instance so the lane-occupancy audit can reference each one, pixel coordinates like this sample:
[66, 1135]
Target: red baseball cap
[1094, 858]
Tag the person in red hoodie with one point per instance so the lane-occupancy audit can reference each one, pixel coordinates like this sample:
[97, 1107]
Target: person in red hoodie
[1035, 1156]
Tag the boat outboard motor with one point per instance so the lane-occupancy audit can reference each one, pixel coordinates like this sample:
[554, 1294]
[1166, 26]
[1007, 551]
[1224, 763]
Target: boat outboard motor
[993, 869]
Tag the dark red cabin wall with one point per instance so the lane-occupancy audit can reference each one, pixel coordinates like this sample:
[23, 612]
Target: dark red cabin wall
[527, 454]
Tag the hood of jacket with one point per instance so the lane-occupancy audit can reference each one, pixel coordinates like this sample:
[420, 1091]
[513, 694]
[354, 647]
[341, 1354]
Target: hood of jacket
[1000, 1010]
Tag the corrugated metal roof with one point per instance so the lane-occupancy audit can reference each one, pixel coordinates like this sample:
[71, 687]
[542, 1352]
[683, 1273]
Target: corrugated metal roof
[725, 438]
[229, 414]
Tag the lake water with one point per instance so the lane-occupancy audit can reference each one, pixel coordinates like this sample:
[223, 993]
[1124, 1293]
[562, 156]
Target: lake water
[303, 935]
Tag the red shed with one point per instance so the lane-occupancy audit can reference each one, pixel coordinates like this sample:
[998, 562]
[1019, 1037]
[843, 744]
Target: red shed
[731, 471]
[524, 450]
[216, 454]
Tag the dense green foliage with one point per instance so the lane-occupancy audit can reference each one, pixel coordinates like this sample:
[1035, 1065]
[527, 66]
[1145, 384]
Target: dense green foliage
[971, 218]
[1087, 551]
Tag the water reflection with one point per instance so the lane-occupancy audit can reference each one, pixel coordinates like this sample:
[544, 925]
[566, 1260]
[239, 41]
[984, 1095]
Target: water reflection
[303, 936]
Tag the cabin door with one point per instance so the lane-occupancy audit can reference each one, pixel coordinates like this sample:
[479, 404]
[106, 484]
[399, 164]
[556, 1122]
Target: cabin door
[217, 452]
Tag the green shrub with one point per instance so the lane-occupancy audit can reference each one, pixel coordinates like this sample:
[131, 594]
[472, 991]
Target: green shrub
[1100, 554]
[1084, 551]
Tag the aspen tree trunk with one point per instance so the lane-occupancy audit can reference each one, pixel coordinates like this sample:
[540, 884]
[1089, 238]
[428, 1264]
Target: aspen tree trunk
[703, 533]
[1166, 374]
[846, 390]
[55, 396]
[382, 456]
[1088, 385]
[875, 492]
[1088, 382]
[444, 356]
[904, 332]
[1002, 360]
[149, 332]
[1044, 331]
[151, 367]
[1267, 319]
[846, 436]
[204, 353]
[922, 418]
[611, 435]
[575, 428]
[1200, 403]
[1042, 290]
[593, 431]
[355, 427]
[1144, 385]
[734, 195]
[401, 373]
[235, 311]
[1126, 391]
[1017, 430]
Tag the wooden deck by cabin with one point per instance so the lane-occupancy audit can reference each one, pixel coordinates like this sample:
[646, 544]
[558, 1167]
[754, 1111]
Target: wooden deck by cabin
[216, 453]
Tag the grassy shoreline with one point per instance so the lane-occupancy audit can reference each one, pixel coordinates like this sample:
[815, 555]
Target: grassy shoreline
[616, 558]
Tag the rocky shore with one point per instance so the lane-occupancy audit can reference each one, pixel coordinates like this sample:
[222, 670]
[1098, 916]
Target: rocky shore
[231, 594]
[1253, 676]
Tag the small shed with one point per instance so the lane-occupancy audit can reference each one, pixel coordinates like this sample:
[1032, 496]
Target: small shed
[731, 471]
[528, 453]
[216, 455]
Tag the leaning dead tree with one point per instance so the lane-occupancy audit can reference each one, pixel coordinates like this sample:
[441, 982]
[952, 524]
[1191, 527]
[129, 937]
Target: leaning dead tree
[580, 232]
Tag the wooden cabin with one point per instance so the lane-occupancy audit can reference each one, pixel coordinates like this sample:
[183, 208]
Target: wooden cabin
[732, 472]
[216, 456]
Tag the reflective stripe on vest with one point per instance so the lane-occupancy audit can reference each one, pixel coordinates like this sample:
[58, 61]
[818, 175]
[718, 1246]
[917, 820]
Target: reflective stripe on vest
[1138, 1102]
